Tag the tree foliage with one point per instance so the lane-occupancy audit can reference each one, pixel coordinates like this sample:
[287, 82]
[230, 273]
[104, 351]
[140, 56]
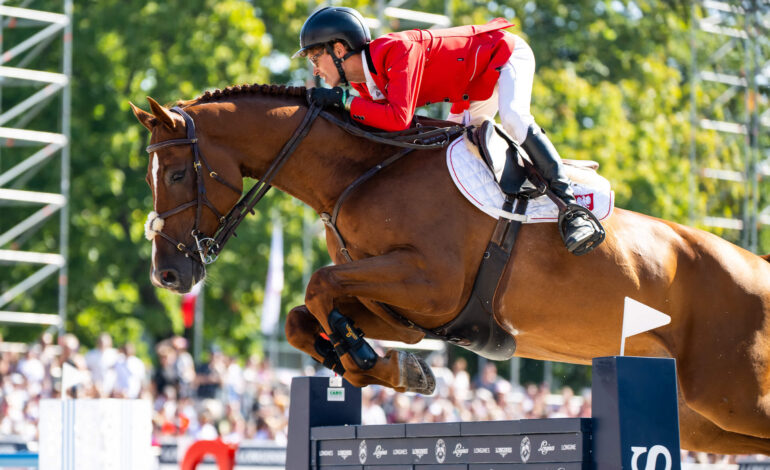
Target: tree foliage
[611, 86]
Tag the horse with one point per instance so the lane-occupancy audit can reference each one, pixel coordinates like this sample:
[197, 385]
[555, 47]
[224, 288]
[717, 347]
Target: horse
[406, 240]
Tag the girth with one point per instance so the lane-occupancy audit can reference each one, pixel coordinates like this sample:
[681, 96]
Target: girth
[475, 327]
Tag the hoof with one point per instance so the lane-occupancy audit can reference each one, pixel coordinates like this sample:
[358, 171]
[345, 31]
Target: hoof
[416, 374]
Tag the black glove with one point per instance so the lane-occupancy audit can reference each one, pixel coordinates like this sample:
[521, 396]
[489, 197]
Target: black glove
[327, 97]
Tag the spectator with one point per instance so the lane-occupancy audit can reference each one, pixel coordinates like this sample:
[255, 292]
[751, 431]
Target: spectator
[130, 373]
[210, 375]
[487, 378]
[233, 381]
[69, 345]
[101, 363]
[184, 366]
[462, 380]
[31, 367]
[371, 412]
[207, 431]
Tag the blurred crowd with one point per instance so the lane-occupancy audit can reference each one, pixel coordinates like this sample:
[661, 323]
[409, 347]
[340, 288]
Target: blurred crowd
[238, 399]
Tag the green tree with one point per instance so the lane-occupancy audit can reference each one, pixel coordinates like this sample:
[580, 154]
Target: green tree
[610, 86]
[171, 50]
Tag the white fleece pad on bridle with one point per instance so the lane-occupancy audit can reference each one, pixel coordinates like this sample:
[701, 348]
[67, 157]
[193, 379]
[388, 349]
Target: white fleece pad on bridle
[477, 184]
[153, 225]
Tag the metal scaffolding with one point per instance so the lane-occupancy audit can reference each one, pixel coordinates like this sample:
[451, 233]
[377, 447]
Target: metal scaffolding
[35, 71]
[730, 89]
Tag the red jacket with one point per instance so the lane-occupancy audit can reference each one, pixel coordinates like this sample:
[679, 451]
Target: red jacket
[418, 67]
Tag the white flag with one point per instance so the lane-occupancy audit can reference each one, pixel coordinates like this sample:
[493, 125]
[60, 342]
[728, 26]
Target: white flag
[70, 377]
[271, 307]
[638, 318]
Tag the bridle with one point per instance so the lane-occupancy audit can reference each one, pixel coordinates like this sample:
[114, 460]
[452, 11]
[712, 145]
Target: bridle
[207, 248]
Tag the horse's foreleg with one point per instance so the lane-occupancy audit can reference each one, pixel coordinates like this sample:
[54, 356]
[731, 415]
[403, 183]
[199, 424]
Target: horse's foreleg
[396, 279]
[304, 333]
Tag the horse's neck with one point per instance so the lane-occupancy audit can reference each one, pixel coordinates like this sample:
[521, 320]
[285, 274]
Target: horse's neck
[326, 163]
[320, 168]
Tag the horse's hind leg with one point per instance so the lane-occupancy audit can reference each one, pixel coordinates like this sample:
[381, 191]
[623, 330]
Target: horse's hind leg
[701, 435]
[304, 332]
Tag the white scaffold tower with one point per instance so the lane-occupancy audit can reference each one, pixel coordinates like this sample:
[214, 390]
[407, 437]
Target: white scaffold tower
[730, 102]
[35, 71]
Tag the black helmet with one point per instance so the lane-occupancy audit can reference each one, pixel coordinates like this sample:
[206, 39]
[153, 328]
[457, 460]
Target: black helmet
[330, 24]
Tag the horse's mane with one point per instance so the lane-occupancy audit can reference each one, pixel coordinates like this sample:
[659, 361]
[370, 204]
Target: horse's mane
[244, 90]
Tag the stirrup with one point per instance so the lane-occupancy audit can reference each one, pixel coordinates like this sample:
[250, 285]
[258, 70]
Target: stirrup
[575, 210]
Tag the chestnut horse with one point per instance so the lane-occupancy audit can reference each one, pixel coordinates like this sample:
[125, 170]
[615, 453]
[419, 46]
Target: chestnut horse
[416, 245]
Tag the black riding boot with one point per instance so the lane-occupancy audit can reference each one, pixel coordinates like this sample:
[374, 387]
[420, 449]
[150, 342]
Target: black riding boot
[577, 229]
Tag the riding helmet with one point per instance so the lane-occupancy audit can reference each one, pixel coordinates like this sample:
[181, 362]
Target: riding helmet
[330, 24]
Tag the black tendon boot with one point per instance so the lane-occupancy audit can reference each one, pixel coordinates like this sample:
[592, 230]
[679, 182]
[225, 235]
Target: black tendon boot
[580, 231]
[348, 339]
[331, 359]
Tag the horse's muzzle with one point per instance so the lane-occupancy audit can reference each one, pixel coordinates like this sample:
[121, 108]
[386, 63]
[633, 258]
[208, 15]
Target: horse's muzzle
[179, 278]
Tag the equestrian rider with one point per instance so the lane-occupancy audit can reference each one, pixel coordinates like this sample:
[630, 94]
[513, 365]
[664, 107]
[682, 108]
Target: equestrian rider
[481, 69]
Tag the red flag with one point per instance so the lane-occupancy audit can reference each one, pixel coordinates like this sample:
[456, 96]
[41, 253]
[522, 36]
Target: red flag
[188, 305]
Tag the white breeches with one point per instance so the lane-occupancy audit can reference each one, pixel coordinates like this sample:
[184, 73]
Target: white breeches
[511, 97]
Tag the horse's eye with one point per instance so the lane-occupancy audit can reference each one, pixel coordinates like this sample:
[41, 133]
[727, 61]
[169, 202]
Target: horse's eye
[178, 176]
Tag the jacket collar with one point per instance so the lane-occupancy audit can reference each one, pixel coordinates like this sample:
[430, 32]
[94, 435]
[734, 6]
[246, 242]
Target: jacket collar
[368, 57]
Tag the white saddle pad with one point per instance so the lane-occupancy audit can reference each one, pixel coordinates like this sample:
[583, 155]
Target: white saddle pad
[477, 183]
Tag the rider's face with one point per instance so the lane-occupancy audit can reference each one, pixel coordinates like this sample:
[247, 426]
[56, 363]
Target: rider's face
[323, 66]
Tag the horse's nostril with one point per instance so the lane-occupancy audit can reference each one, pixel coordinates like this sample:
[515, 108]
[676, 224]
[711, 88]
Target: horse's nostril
[169, 277]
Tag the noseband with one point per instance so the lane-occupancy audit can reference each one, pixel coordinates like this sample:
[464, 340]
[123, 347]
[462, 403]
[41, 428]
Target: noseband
[207, 248]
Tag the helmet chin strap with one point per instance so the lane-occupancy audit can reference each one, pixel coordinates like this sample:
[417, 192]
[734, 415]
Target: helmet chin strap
[338, 62]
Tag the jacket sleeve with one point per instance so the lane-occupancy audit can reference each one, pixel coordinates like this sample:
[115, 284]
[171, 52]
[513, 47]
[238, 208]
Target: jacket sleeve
[363, 92]
[403, 66]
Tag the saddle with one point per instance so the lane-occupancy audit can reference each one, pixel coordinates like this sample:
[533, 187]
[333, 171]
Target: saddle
[475, 327]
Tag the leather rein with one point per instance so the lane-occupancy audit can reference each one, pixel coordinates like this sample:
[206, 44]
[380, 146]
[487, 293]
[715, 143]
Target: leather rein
[207, 248]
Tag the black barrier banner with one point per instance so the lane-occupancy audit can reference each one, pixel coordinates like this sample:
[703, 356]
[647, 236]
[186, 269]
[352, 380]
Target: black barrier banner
[525, 449]
[510, 466]
[247, 455]
[537, 466]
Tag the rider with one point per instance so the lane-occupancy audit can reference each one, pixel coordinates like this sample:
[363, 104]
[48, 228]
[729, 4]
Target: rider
[481, 69]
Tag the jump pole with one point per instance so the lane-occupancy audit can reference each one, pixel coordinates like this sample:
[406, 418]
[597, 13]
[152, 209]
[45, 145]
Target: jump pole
[634, 426]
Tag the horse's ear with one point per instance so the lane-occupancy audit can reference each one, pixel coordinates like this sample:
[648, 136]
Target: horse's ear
[161, 113]
[147, 119]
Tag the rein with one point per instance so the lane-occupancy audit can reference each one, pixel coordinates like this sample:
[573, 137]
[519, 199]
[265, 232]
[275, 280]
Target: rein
[419, 137]
[207, 249]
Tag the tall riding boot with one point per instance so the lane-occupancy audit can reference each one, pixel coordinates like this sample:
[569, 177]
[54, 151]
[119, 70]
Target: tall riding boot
[578, 230]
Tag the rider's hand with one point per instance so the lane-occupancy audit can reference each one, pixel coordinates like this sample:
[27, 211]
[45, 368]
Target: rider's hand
[327, 97]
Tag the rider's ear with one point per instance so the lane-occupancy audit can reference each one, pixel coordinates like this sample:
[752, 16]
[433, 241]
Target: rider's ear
[147, 119]
[161, 113]
[340, 49]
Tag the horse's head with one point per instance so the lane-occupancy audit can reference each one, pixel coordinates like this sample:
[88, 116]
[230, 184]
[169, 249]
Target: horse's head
[191, 195]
